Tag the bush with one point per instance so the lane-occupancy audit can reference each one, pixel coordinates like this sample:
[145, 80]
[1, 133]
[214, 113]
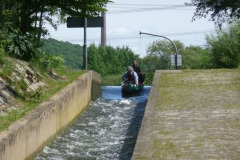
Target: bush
[18, 45]
[195, 57]
[45, 61]
[225, 47]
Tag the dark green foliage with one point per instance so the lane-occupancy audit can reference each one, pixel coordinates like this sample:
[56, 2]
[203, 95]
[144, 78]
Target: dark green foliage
[72, 53]
[29, 16]
[220, 11]
[18, 45]
[195, 57]
[27, 19]
[110, 61]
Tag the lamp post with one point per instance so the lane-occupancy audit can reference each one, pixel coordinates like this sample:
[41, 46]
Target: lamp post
[176, 55]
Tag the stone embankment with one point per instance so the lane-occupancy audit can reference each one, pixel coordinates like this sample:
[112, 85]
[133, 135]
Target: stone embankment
[22, 71]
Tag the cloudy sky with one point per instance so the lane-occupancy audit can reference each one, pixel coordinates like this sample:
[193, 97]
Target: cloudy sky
[126, 18]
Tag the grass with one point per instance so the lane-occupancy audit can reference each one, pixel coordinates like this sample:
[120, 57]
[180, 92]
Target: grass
[23, 106]
[6, 69]
[165, 149]
[186, 90]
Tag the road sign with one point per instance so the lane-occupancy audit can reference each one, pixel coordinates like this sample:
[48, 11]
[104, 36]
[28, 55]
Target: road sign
[79, 22]
[179, 60]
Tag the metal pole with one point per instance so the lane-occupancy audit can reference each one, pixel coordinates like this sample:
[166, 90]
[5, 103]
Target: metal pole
[85, 45]
[103, 30]
[167, 39]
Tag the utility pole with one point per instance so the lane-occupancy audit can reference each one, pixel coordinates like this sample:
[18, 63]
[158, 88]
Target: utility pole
[103, 30]
[85, 45]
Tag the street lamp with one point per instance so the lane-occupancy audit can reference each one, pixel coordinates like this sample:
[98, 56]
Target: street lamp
[176, 55]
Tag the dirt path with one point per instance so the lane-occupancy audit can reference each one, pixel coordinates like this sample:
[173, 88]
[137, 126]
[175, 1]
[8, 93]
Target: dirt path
[192, 115]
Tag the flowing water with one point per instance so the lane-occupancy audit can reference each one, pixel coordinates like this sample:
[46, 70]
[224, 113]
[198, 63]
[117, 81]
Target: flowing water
[107, 129]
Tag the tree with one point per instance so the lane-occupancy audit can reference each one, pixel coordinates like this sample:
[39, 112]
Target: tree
[109, 60]
[29, 17]
[220, 10]
[196, 57]
[225, 46]
[160, 51]
[25, 12]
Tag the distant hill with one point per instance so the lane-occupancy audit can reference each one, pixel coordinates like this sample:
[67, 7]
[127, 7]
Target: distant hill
[72, 53]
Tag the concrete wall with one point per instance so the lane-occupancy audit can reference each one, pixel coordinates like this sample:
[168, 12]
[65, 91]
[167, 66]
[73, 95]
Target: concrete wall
[31, 133]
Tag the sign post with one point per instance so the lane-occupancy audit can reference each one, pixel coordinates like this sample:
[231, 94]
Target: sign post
[85, 45]
[84, 23]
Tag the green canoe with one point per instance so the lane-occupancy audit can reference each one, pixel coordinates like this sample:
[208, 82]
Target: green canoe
[129, 87]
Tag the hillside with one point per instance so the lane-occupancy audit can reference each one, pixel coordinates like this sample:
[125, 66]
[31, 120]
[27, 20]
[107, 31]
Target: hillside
[72, 53]
[23, 86]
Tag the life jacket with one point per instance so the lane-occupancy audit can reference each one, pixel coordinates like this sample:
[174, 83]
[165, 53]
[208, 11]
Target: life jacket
[130, 77]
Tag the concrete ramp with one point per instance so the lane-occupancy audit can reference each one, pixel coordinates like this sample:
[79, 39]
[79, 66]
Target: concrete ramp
[191, 115]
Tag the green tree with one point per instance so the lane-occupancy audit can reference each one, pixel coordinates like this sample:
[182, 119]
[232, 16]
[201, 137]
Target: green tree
[159, 53]
[225, 46]
[29, 18]
[110, 60]
[96, 56]
[196, 57]
[25, 13]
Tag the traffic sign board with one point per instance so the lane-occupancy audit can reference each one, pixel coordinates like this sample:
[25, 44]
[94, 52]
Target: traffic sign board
[79, 22]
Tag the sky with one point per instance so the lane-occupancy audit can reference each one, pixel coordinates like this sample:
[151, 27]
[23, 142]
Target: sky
[126, 18]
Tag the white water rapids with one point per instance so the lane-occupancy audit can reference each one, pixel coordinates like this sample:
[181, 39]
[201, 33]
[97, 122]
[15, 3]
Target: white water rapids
[107, 129]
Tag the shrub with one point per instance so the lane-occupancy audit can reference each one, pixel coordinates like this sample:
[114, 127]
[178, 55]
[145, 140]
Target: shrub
[45, 61]
[225, 47]
[18, 45]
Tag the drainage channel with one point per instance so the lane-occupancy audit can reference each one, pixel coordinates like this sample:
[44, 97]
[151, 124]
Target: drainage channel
[107, 129]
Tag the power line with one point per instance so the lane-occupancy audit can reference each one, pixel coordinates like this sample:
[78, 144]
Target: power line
[136, 9]
[137, 4]
[141, 10]
[137, 36]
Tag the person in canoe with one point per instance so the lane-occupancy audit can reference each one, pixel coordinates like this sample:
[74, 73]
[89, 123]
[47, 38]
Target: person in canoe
[137, 69]
[130, 75]
[135, 66]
